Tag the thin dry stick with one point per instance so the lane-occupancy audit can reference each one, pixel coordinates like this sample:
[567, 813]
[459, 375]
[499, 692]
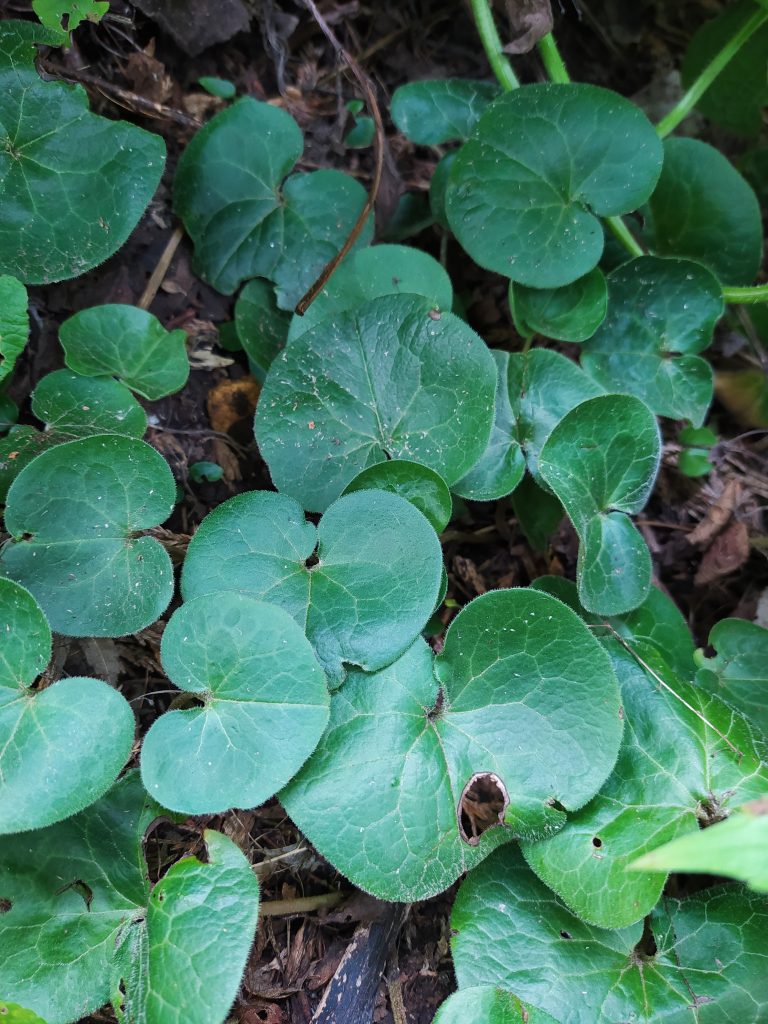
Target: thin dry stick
[158, 274]
[306, 301]
[644, 664]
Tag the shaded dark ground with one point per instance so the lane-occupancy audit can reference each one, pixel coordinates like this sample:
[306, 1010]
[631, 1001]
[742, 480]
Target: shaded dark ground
[133, 69]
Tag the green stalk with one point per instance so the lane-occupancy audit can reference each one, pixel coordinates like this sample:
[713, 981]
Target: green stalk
[552, 60]
[489, 37]
[742, 296]
[687, 102]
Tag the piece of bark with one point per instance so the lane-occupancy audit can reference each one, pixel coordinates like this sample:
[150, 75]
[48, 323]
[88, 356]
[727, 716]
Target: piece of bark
[197, 24]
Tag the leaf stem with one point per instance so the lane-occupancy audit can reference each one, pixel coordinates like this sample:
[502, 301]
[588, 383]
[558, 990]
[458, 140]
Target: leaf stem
[755, 293]
[489, 36]
[552, 59]
[688, 101]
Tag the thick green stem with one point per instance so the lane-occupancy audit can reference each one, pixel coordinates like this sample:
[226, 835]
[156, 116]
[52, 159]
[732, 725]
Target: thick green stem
[687, 102]
[742, 296]
[489, 37]
[552, 60]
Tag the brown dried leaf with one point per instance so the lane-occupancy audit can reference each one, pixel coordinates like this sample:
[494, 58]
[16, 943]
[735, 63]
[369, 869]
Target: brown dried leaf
[729, 551]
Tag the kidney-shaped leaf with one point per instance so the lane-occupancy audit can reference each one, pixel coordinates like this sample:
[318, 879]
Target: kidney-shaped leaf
[74, 183]
[128, 343]
[370, 593]
[487, 1004]
[440, 110]
[515, 720]
[76, 515]
[543, 164]
[83, 925]
[394, 380]
[265, 706]
[675, 772]
[661, 313]
[75, 406]
[244, 219]
[738, 673]
[702, 959]
[14, 322]
[601, 461]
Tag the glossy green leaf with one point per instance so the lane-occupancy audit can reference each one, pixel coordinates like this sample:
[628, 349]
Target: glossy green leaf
[661, 314]
[394, 380]
[735, 847]
[368, 597]
[739, 93]
[543, 164]
[246, 218]
[373, 272]
[261, 326]
[738, 673]
[77, 541]
[440, 110]
[74, 184]
[53, 12]
[425, 489]
[500, 468]
[704, 210]
[487, 1004]
[14, 323]
[264, 706]
[675, 770]
[601, 461]
[83, 921]
[128, 343]
[522, 696]
[709, 964]
[75, 406]
[571, 313]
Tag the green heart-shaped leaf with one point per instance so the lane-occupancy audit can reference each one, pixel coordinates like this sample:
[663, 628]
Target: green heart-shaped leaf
[601, 461]
[369, 595]
[74, 184]
[14, 323]
[394, 380]
[543, 164]
[83, 926]
[245, 219]
[517, 717]
[425, 489]
[703, 209]
[128, 343]
[77, 542]
[571, 313]
[675, 770]
[264, 685]
[486, 1004]
[75, 406]
[370, 273]
[440, 110]
[699, 959]
[661, 313]
[738, 673]
[261, 326]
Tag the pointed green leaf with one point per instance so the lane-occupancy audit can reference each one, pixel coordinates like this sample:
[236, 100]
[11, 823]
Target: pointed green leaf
[128, 343]
[435, 111]
[486, 1004]
[601, 461]
[371, 592]
[704, 210]
[709, 964]
[246, 218]
[80, 549]
[735, 847]
[675, 768]
[75, 406]
[14, 323]
[264, 706]
[661, 313]
[543, 164]
[394, 380]
[261, 326]
[522, 696]
[425, 489]
[82, 920]
[370, 273]
[739, 671]
[74, 183]
[571, 313]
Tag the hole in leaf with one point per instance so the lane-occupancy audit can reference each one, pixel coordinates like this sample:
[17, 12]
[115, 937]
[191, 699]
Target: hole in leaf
[565, 935]
[482, 805]
[597, 842]
[5, 905]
